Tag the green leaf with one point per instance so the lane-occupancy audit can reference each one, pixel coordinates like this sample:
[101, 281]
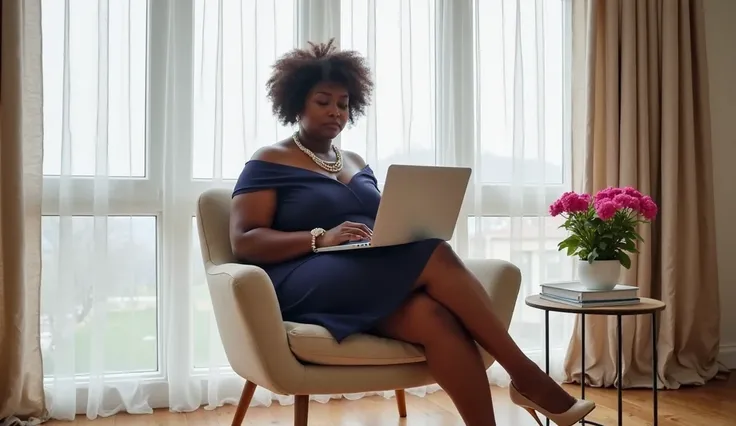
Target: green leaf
[582, 254]
[629, 245]
[625, 259]
[571, 243]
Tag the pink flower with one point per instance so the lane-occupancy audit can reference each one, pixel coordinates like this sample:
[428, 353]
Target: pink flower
[648, 207]
[608, 193]
[625, 201]
[632, 192]
[602, 194]
[556, 208]
[570, 202]
[606, 209]
[574, 203]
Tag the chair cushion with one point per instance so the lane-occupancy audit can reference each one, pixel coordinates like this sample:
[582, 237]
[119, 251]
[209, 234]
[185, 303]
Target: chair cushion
[314, 344]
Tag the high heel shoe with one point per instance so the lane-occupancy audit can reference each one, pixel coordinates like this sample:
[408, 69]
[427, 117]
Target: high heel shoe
[577, 412]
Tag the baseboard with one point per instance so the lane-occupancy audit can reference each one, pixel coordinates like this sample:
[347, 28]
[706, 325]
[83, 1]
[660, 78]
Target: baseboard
[727, 356]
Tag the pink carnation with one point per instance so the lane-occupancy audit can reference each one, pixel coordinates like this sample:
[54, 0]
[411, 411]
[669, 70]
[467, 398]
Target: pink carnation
[608, 193]
[570, 202]
[648, 207]
[574, 203]
[606, 209]
[625, 201]
[556, 208]
[632, 192]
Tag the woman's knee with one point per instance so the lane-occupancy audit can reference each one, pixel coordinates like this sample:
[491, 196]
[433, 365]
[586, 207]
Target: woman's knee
[444, 253]
[423, 320]
[443, 262]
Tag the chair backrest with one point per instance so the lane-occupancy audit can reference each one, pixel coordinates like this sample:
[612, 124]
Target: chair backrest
[213, 226]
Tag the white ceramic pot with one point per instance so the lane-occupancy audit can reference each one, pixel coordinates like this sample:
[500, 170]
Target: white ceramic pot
[599, 275]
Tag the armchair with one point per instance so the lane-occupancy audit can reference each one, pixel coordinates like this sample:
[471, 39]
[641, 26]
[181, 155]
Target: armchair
[303, 359]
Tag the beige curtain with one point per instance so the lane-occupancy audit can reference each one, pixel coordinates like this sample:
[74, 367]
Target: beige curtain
[21, 374]
[647, 125]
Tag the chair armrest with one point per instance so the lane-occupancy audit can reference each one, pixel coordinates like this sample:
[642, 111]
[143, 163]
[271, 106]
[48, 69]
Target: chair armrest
[501, 280]
[250, 325]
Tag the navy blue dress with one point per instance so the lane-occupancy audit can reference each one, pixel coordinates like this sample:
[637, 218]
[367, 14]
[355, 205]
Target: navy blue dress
[345, 292]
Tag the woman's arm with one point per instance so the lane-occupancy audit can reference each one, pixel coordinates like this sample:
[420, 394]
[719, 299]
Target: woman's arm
[251, 217]
[253, 240]
[251, 236]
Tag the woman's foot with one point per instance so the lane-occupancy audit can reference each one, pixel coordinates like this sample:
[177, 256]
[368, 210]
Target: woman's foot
[542, 389]
[569, 417]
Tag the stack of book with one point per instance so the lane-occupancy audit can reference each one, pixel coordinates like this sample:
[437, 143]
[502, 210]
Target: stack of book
[575, 294]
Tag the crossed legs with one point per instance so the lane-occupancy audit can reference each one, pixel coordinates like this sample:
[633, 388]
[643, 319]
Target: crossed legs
[451, 354]
[449, 312]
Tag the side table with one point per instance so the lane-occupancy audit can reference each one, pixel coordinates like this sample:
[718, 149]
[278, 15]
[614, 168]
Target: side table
[646, 306]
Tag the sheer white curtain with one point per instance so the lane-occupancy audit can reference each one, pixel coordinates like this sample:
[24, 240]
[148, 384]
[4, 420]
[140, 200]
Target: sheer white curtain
[148, 103]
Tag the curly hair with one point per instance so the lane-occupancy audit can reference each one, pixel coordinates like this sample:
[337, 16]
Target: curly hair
[298, 71]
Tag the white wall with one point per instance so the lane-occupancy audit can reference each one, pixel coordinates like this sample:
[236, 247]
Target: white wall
[720, 17]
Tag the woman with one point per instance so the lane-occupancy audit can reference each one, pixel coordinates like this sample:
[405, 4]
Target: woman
[303, 193]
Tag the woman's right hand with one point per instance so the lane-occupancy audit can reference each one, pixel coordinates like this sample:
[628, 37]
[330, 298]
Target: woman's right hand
[346, 231]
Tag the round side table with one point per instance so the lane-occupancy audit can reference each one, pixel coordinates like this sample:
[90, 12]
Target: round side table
[645, 307]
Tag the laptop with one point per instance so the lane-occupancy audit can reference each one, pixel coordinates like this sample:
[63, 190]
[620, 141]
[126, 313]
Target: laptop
[418, 203]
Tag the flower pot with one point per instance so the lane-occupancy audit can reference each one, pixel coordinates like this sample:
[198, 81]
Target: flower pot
[599, 275]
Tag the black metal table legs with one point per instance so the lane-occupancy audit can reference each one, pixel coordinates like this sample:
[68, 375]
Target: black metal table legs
[619, 371]
[582, 369]
[546, 347]
[655, 367]
[619, 366]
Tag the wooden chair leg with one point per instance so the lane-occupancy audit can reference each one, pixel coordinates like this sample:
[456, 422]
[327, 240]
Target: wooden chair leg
[248, 390]
[401, 402]
[301, 410]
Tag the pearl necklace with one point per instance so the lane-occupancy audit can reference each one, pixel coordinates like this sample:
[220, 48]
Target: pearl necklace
[332, 167]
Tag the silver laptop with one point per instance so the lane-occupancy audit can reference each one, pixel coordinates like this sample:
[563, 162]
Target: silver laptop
[418, 203]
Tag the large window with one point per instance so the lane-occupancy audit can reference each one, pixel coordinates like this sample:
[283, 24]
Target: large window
[149, 102]
[79, 159]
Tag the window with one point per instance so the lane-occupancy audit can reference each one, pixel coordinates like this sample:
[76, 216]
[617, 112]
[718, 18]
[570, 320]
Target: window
[533, 239]
[522, 105]
[206, 346]
[554, 265]
[236, 97]
[95, 140]
[149, 103]
[541, 144]
[123, 310]
[401, 52]
[122, 103]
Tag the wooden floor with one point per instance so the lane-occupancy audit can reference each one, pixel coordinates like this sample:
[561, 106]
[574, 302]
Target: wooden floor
[711, 405]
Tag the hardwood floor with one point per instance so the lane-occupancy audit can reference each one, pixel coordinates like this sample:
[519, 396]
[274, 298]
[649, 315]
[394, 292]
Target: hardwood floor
[711, 405]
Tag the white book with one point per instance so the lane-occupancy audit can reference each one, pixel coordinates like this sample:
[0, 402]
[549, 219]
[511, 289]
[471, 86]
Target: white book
[575, 291]
[593, 304]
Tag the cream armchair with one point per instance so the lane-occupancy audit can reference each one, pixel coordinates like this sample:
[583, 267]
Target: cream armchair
[302, 359]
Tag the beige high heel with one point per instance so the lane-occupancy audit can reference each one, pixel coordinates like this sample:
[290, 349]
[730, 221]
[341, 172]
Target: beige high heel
[577, 412]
